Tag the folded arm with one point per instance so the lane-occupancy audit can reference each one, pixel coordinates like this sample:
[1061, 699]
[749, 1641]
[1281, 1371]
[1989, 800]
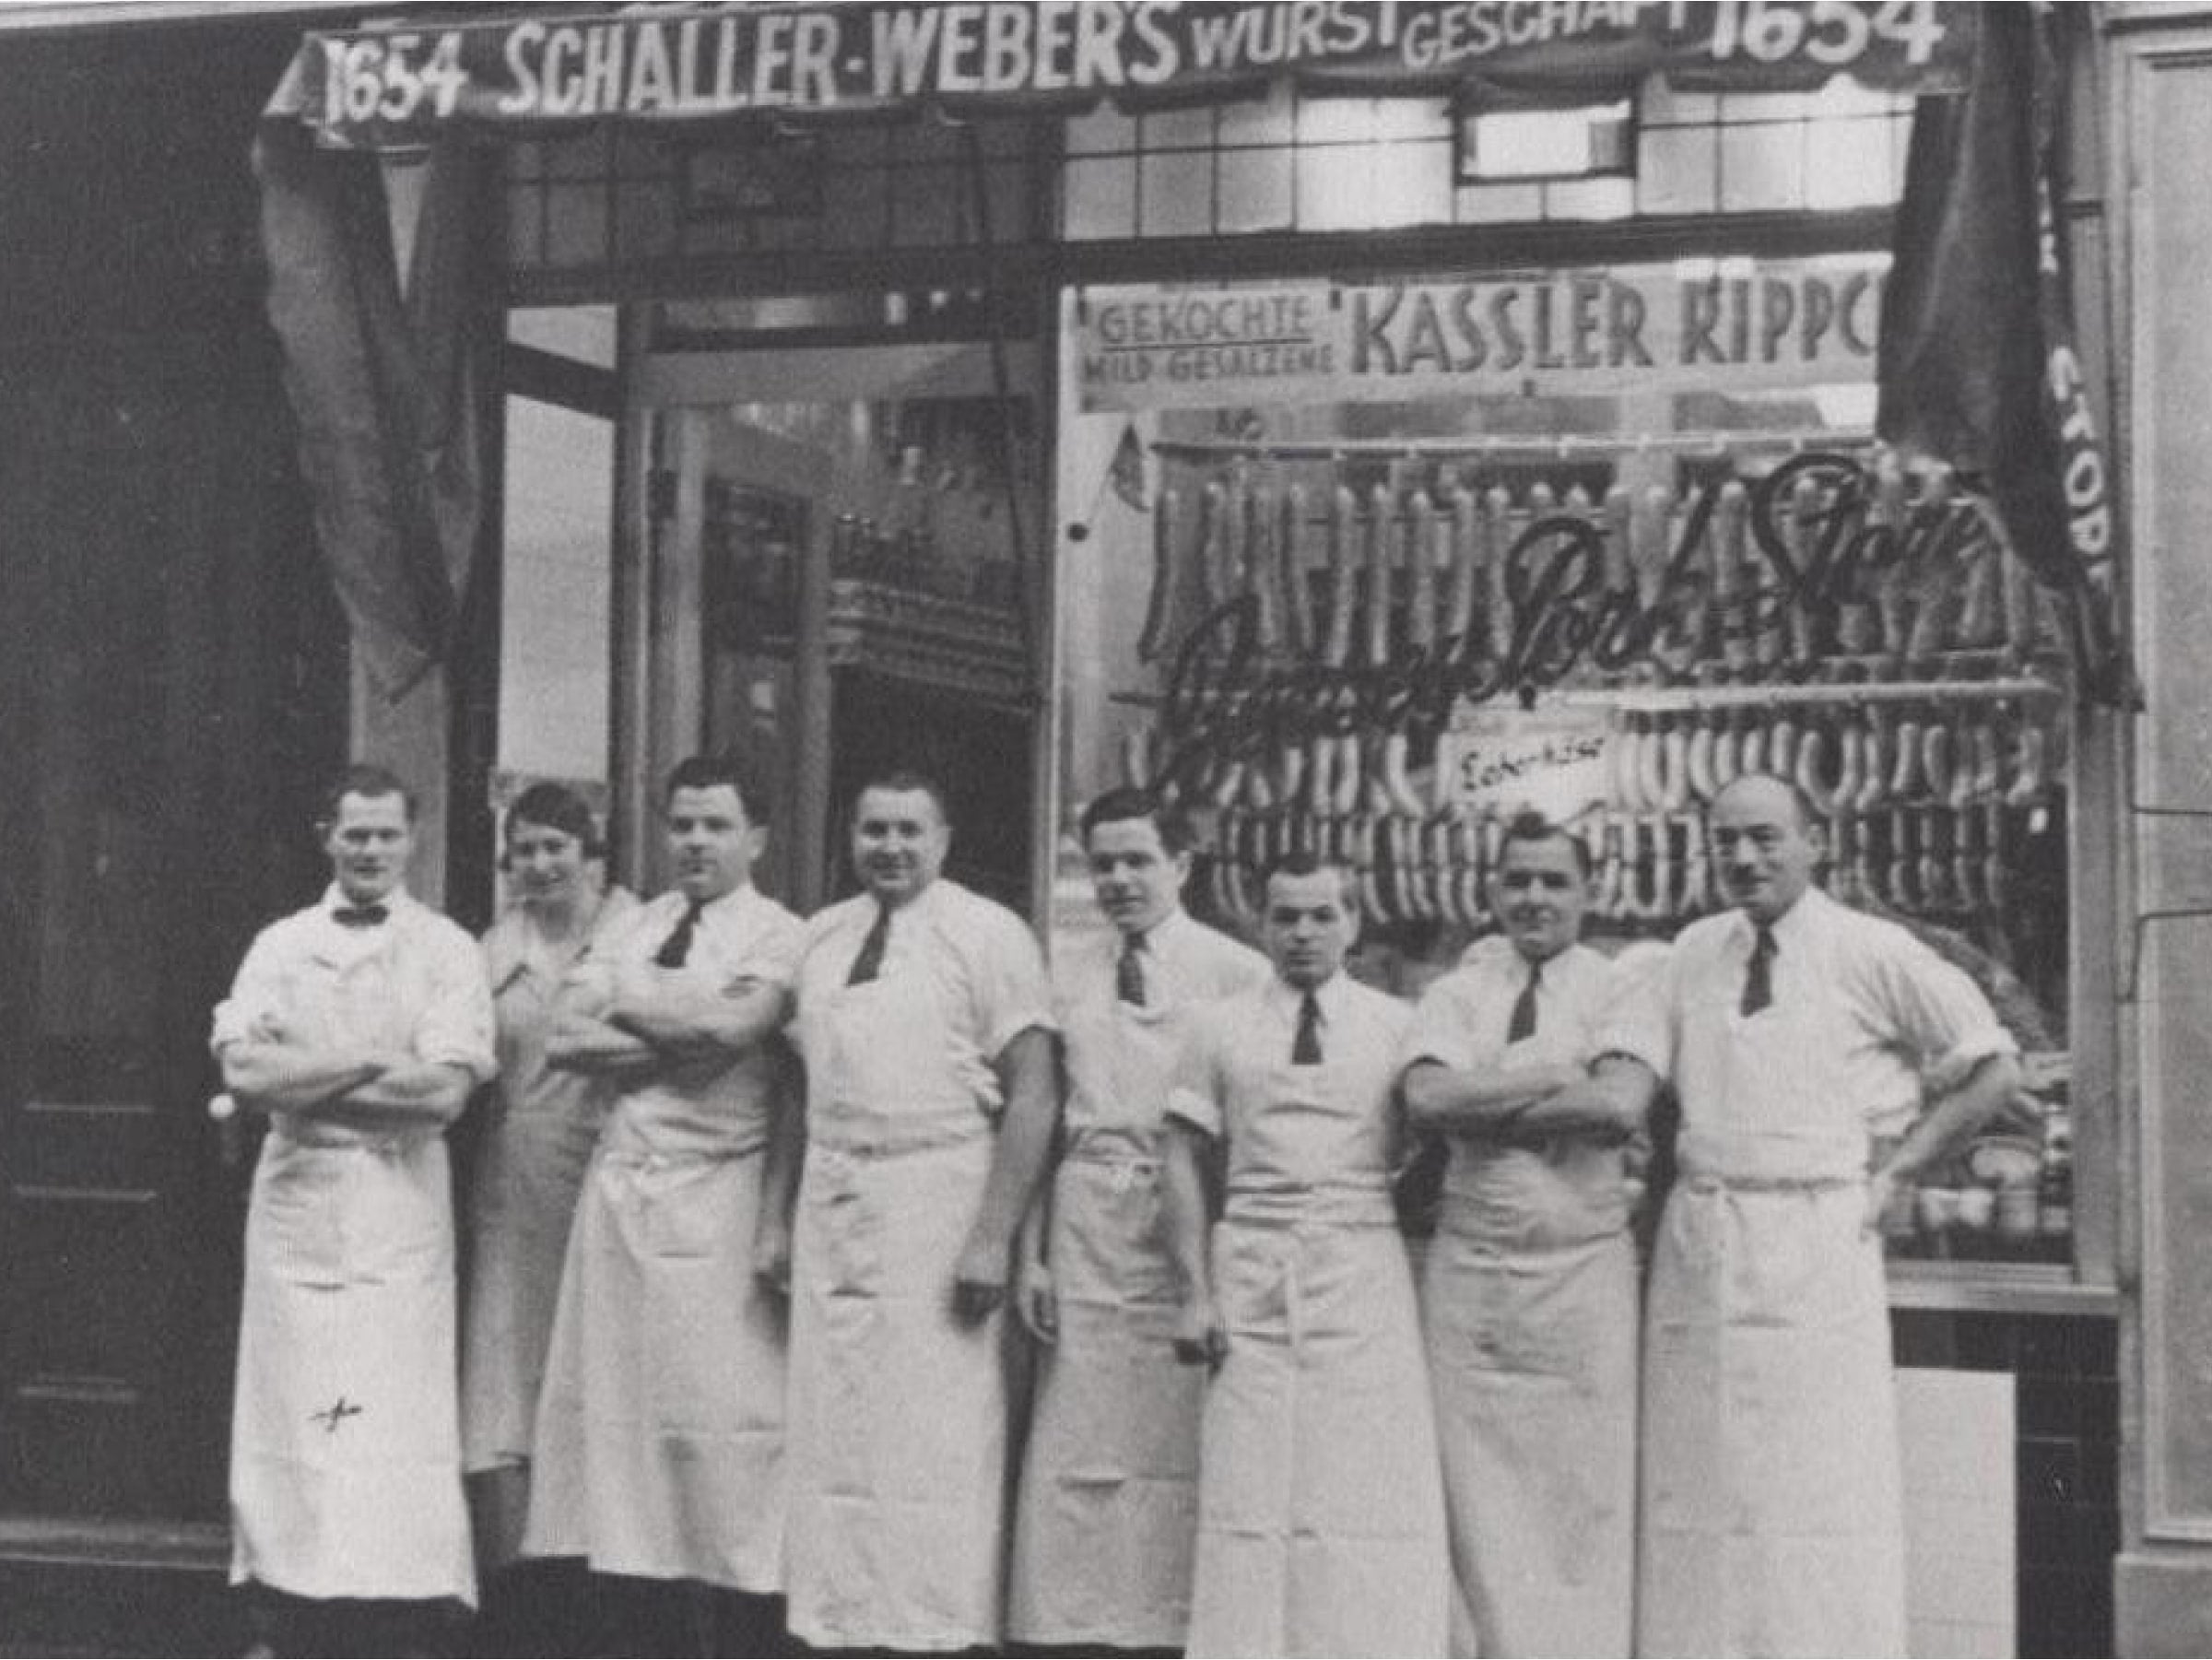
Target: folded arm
[1478, 1101]
[276, 1075]
[686, 1021]
[1614, 1101]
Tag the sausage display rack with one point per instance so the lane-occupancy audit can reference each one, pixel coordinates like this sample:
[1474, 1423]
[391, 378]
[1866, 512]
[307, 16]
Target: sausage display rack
[1915, 700]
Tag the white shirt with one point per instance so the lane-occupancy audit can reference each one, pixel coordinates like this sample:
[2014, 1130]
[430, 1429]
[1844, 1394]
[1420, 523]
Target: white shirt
[742, 938]
[1119, 1055]
[1865, 1019]
[982, 960]
[414, 982]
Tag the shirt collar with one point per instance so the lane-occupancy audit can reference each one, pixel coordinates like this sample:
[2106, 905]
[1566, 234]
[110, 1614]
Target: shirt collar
[1163, 934]
[1332, 994]
[1802, 918]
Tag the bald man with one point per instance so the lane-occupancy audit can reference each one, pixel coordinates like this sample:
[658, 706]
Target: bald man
[1793, 1030]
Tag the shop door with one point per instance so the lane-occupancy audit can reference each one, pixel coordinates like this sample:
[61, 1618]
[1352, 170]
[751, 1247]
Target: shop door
[172, 677]
[842, 542]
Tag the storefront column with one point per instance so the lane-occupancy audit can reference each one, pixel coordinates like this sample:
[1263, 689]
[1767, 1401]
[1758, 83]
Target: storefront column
[2162, 73]
[411, 736]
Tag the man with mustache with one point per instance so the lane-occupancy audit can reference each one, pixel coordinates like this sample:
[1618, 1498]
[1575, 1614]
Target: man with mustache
[359, 1026]
[660, 1426]
[1799, 1036]
[1528, 1293]
[926, 1023]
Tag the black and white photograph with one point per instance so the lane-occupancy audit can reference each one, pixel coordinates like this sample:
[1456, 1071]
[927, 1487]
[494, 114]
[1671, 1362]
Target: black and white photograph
[1267, 828]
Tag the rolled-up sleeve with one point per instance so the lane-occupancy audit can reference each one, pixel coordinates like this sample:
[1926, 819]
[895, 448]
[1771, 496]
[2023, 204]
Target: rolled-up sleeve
[1194, 1083]
[455, 1029]
[254, 997]
[1939, 1014]
[1443, 1024]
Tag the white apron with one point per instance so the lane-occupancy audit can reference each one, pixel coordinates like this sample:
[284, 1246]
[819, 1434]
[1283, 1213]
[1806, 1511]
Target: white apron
[1109, 1499]
[660, 1429]
[346, 1435]
[898, 1440]
[1528, 1301]
[1320, 1525]
[1773, 1516]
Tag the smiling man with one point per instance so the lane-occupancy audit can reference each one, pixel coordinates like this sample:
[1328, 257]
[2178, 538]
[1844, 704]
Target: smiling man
[660, 1428]
[1321, 1515]
[359, 1026]
[1791, 1027]
[927, 1022]
[1103, 1535]
[1528, 1295]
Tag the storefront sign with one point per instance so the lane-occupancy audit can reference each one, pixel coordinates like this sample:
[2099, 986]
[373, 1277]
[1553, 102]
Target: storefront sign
[401, 85]
[1779, 323]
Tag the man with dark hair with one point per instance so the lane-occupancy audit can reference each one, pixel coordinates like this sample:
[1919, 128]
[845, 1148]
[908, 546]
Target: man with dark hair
[1789, 1026]
[358, 1025]
[660, 1428]
[927, 1022]
[1528, 1293]
[1107, 1512]
[1320, 1518]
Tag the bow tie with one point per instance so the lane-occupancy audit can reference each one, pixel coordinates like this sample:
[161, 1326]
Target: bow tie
[359, 916]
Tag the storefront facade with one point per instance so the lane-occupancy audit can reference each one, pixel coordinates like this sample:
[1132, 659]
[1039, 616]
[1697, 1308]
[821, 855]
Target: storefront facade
[1361, 455]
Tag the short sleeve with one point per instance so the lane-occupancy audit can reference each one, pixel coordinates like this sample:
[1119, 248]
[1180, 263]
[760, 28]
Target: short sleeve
[1442, 1027]
[772, 957]
[254, 994]
[1641, 1024]
[1194, 1082]
[1012, 992]
[1939, 1014]
[455, 1028]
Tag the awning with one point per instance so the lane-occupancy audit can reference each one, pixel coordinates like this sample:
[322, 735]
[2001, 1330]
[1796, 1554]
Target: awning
[548, 69]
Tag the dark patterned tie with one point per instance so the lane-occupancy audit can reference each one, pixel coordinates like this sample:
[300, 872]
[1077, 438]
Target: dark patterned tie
[1129, 971]
[1524, 1021]
[867, 963]
[676, 948]
[1305, 1048]
[1759, 979]
[359, 916]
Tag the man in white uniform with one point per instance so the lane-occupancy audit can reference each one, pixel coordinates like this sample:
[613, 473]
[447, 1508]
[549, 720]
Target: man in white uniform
[1790, 1027]
[1320, 1511]
[358, 1025]
[1108, 1508]
[1528, 1295]
[660, 1428]
[926, 1023]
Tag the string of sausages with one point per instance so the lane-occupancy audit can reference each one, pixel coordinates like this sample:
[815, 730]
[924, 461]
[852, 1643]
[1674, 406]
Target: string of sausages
[1916, 794]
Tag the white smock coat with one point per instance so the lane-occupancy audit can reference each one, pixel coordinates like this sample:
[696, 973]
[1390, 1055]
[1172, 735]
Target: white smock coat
[660, 1430]
[1108, 1504]
[898, 1462]
[1773, 1518]
[1529, 1308]
[539, 1130]
[344, 1436]
[1321, 1511]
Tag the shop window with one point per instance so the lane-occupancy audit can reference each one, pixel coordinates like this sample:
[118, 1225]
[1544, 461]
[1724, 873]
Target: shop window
[1361, 566]
[1547, 143]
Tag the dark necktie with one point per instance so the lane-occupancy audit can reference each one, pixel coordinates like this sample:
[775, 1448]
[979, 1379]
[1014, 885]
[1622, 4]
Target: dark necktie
[1524, 1021]
[359, 916]
[1305, 1048]
[677, 947]
[1129, 971]
[1759, 979]
[867, 963]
